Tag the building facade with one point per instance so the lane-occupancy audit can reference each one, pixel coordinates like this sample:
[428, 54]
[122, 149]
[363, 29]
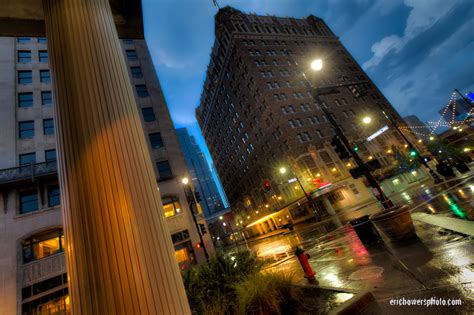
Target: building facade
[32, 265]
[200, 174]
[257, 116]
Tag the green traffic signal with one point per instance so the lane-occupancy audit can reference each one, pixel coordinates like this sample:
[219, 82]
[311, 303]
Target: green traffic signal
[356, 149]
[413, 153]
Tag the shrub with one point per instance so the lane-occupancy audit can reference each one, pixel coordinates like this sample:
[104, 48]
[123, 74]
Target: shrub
[211, 287]
[267, 293]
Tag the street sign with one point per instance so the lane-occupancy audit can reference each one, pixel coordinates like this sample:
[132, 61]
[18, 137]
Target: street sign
[292, 180]
[377, 133]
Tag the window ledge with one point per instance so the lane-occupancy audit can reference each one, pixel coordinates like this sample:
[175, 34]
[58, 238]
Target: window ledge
[20, 216]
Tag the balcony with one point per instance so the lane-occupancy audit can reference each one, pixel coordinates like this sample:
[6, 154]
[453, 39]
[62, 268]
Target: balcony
[42, 269]
[17, 176]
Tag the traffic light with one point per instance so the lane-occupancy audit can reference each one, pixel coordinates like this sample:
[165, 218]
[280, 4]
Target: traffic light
[356, 172]
[198, 245]
[373, 165]
[340, 148]
[413, 152]
[266, 185]
[356, 148]
[202, 228]
[197, 195]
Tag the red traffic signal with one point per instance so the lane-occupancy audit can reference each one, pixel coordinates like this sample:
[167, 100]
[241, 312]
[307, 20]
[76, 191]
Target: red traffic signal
[266, 185]
[198, 245]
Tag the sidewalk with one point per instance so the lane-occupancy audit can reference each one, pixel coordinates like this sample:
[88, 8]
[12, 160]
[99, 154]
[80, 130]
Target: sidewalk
[439, 264]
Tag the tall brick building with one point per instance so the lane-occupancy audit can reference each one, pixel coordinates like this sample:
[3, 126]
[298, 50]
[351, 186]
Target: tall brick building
[256, 115]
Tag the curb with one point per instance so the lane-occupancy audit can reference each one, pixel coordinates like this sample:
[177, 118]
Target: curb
[362, 303]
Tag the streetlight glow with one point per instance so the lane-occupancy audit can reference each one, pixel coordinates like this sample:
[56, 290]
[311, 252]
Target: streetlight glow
[221, 217]
[317, 64]
[282, 170]
[185, 180]
[366, 120]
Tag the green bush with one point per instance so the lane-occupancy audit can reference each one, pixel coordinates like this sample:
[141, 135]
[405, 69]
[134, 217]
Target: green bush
[211, 287]
[267, 294]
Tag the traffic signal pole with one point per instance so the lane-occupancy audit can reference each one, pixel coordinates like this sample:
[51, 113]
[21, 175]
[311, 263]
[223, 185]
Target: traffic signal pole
[433, 174]
[386, 202]
[194, 201]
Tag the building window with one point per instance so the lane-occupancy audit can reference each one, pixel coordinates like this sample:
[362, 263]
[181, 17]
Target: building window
[171, 206]
[164, 170]
[28, 201]
[142, 90]
[131, 55]
[25, 99]
[25, 77]
[48, 126]
[53, 196]
[24, 56]
[180, 236]
[23, 40]
[44, 76]
[43, 56]
[27, 158]
[155, 140]
[148, 114]
[43, 245]
[42, 40]
[335, 197]
[46, 98]
[50, 155]
[127, 41]
[136, 72]
[26, 129]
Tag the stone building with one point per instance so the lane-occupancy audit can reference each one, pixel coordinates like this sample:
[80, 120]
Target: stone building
[33, 276]
[257, 116]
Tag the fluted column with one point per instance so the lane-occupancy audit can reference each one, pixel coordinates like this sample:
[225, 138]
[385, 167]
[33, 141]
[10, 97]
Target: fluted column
[120, 257]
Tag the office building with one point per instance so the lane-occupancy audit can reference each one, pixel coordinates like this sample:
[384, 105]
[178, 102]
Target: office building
[257, 116]
[200, 174]
[33, 275]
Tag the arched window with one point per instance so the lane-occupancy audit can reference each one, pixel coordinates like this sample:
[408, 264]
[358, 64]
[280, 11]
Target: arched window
[43, 244]
[171, 206]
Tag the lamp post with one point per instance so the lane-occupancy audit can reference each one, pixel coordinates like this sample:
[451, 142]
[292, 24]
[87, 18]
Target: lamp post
[188, 190]
[317, 65]
[308, 197]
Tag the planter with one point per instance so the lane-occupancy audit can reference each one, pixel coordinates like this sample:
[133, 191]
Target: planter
[395, 223]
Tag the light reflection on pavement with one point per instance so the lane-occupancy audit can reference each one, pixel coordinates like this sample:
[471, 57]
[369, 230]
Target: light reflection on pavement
[439, 262]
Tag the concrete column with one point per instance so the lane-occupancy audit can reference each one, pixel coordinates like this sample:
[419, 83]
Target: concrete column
[120, 258]
[330, 210]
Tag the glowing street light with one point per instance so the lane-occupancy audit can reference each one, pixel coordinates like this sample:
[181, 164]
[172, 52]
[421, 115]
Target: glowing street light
[366, 120]
[282, 170]
[185, 180]
[317, 64]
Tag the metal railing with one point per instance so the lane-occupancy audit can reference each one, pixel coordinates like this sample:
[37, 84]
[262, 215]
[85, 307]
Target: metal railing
[30, 171]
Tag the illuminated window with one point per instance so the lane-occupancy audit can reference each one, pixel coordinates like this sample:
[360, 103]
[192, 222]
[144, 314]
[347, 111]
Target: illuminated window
[171, 206]
[182, 255]
[43, 245]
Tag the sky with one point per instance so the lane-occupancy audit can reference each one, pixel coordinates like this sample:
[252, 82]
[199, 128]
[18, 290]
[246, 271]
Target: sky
[416, 51]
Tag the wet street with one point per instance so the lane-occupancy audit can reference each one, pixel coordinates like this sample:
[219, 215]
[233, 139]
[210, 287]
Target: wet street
[439, 263]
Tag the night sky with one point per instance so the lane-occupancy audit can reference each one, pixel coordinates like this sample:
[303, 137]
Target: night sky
[416, 51]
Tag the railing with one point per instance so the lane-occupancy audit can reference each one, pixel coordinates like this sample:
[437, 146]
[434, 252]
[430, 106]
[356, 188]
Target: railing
[30, 171]
[44, 268]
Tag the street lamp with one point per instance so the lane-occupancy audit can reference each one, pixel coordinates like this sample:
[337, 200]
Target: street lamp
[330, 89]
[188, 190]
[367, 120]
[317, 64]
[282, 170]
